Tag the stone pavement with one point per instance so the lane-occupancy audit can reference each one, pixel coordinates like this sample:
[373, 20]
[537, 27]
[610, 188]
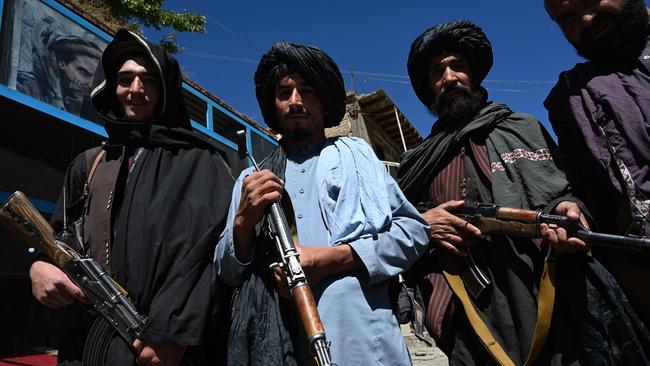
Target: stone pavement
[421, 353]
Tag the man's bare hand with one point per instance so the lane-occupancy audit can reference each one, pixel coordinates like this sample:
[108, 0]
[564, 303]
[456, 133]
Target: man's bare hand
[319, 262]
[313, 260]
[158, 354]
[557, 236]
[450, 232]
[259, 190]
[52, 287]
[281, 283]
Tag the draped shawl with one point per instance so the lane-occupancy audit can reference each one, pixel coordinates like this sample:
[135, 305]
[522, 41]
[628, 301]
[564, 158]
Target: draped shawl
[520, 153]
[525, 175]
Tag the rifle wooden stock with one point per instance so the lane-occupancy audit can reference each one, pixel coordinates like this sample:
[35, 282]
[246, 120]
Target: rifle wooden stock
[495, 219]
[20, 216]
[514, 228]
[301, 292]
[107, 297]
[280, 230]
[306, 305]
[517, 214]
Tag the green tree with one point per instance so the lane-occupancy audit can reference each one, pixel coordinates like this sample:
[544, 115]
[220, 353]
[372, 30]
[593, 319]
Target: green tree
[136, 14]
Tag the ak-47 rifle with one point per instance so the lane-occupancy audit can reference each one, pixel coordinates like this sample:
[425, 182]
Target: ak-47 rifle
[495, 219]
[107, 297]
[278, 229]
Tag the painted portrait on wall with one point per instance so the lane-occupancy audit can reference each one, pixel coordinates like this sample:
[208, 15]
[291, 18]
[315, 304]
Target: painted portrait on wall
[53, 59]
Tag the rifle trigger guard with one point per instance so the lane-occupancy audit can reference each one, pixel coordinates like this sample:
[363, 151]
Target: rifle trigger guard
[273, 265]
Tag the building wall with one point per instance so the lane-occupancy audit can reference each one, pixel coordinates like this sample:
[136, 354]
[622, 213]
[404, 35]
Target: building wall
[356, 124]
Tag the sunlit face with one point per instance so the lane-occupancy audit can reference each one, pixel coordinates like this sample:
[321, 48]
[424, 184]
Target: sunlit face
[138, 89]
[584, 22]
[449, 70]
[299, 109]
[455, 98]
[80, 71]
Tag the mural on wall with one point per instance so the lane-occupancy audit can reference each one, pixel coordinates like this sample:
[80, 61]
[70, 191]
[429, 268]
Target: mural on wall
[53, 59]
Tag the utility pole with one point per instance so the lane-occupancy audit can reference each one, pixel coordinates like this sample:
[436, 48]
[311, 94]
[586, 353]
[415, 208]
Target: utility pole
[354, 81]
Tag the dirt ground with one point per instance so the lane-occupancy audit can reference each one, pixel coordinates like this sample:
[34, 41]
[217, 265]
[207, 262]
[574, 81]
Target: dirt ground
[421, 353]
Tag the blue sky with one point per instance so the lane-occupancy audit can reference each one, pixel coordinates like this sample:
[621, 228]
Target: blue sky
[373, 39]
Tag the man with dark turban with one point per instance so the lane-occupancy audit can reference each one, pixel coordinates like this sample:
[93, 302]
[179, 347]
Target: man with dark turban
[355, 228]
[152, 202]
[490, 298]
[600, 110]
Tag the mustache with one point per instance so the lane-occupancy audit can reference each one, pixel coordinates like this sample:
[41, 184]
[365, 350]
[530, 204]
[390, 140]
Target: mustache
[589, 33]
[301, 112]
[444, 93]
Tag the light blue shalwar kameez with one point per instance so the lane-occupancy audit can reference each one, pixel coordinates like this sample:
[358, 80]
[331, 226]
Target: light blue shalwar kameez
[355, 307]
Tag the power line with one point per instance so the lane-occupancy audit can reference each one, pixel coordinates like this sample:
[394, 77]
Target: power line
[398, 76]
[509, 90]
[352, 73]
[388, 80]
[222, 26]
[368, 75]
[221, 57]
[520, 81]
[365, 73]
[233, 33]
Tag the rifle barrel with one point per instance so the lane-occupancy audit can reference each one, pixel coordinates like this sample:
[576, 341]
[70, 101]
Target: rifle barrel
[614, 241]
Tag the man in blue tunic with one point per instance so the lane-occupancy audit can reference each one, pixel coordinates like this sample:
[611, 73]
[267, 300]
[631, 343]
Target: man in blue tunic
[355, 228]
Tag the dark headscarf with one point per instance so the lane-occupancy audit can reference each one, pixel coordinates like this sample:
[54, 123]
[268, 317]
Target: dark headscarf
[460, 36]
[317, 68]
[171, 124]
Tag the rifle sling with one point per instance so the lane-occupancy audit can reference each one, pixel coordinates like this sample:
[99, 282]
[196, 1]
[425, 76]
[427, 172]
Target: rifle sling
[545, 302]
[91, 171]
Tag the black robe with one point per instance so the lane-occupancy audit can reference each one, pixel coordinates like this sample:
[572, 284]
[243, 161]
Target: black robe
[166, 214]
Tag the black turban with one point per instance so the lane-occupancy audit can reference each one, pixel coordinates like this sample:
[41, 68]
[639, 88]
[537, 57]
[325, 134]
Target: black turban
[460, 36]
[317, 68]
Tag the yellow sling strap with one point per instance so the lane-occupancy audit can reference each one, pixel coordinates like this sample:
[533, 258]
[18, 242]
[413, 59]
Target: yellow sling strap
[545, 301]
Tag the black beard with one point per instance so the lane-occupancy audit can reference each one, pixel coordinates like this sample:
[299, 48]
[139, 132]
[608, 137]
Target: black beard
[458, 109]
[623, 43]
[298, 134]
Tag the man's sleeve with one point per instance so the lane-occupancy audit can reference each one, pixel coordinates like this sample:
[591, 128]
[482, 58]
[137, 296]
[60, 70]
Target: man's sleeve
[73, 183]
[183, 302]
[394, 250]
[229, 268]
[571, 143]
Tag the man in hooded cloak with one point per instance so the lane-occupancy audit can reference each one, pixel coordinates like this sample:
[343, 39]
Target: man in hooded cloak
[152, 212]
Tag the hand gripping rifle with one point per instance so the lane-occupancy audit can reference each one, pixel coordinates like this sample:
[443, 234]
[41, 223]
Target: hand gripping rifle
[495, 219]
[278, 229]
[107, 297]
